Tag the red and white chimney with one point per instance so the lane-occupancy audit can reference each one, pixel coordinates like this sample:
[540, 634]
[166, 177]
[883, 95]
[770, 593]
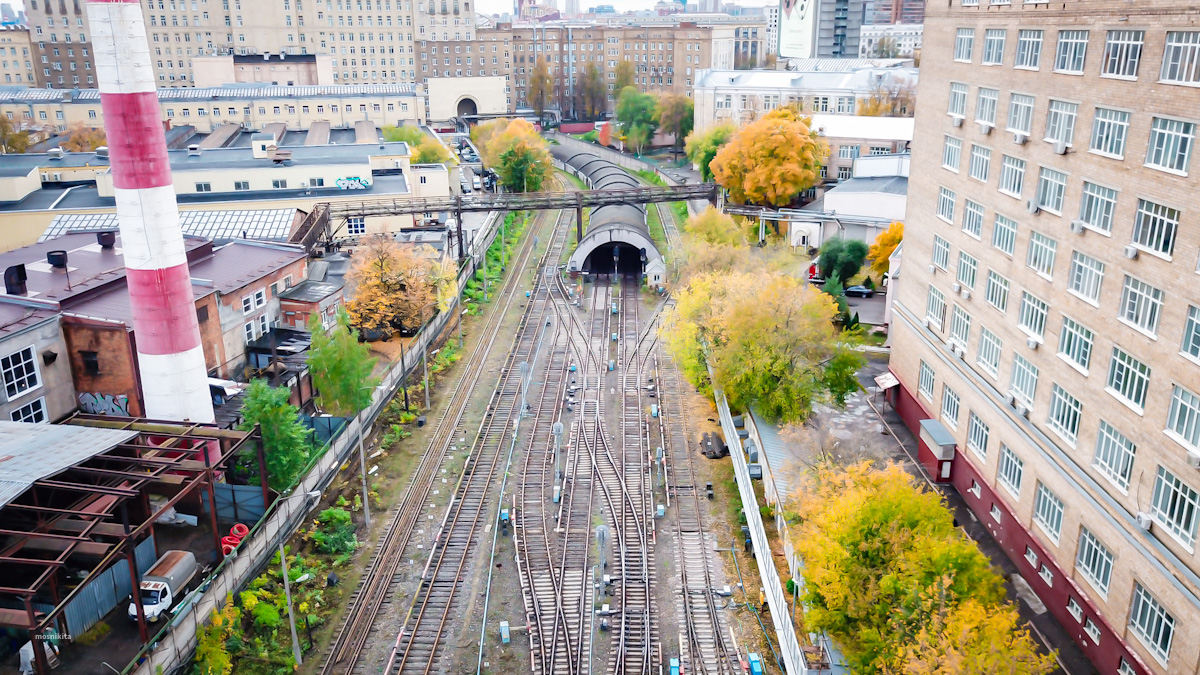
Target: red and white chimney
[170, 356]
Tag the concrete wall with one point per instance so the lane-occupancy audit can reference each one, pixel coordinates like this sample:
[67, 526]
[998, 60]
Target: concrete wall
[16, 188]
[445, 93]
[56, 388]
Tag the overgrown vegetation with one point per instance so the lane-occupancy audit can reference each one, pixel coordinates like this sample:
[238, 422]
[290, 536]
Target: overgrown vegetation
[702, 148]
[515, 223]
[334, 532]
[341, 367]
[286, 446]
[900, 588]
[516, 151]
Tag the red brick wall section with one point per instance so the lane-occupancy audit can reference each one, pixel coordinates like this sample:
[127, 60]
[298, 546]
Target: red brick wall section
[1012, 536]
[114, 389]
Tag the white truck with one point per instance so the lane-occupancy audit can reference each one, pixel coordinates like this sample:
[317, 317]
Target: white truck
[164, 584]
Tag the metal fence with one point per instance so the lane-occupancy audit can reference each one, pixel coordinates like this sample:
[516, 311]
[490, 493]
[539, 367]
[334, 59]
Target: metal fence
[785, 630]
[172, 647]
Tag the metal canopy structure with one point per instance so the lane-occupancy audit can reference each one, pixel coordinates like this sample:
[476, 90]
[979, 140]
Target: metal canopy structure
[325, 220]
[91, 512]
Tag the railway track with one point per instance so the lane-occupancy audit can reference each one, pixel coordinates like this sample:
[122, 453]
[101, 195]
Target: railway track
[703, 644]
[416, 649]
[378, 583]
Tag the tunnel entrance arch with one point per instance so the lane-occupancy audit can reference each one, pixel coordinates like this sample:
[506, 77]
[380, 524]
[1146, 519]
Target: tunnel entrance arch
[467, 107]
[613, 249]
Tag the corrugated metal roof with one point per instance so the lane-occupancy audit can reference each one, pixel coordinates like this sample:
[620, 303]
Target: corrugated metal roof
[31, 452]
[220, 226]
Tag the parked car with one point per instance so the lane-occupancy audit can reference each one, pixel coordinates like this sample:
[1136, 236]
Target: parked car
[860, 292]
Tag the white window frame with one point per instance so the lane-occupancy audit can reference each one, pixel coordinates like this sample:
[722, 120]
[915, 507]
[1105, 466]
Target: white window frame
[1170, 146]
[1097, 204]
[1094, 561]
[951, 406]
[1020, 113]
[993, 46]
[1155, 227]
[964, 44]
[1151, 623]
[945, 205]
[1071, 52]
[1048, 512]
[981, 163]
[1190, 346]
[1029, 49]
[1181, 58]
[1128, 379]
[1183, 418]
[1122, 54]
[1114, 456]
[1041, 255]
[967, 270]
[1064, 415]
[1141, 305]
[28, 381]
[1004, 234]
[957, 106]
[1012, 176]
[925, 381]
[935, 308]
[1075, 342]
[1175, 506]
[1051, 190]
[1010, 471]
[951, 153]
[1060, 121]
[977, 435]
[31, 412]
[1023, 380]
[960, 327]
[973, 213]
[987, 100]
[941, 253]
[991, 348]
[1033, 314]
[997, 291]
[1110, 132]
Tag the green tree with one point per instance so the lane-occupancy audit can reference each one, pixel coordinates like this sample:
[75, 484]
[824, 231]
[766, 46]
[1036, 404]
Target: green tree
[212, 656]
[842, 258]
[341, 367]
[625, 76]
[541, 92]
[701, 148]
[524, 167]
[12, 141]
[284, 438]
[637, 109]
[887, 48]
[406, 133]
[638, 137]
[592, 92]
[676, 114]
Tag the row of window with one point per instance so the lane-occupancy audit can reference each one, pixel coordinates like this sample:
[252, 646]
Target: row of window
[1174, 506]
[1122, 56]
[1170, 143]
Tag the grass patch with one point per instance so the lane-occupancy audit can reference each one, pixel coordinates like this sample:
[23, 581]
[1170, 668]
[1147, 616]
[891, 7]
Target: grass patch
[680, 210]
[651, 177]
[653, 223]
[515, 224]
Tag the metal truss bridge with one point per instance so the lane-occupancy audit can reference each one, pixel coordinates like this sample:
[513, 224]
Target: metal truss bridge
[323, 224]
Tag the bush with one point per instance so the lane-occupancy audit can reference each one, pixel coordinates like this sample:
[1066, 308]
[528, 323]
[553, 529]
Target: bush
[335, 532]
[265, 615]
[591, 136]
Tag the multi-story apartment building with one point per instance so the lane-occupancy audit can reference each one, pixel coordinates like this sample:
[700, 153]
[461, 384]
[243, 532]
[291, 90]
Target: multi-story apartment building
[838, 22]
[896, 11]
[903, 38]
[1046, 324]
[822, 86]
[16, 57]
[771, 14]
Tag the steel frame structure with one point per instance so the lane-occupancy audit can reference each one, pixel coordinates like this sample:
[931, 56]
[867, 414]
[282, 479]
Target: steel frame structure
[59, 516]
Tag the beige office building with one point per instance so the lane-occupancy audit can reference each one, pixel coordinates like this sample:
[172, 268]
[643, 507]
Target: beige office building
[16, 57]
[1046, 324]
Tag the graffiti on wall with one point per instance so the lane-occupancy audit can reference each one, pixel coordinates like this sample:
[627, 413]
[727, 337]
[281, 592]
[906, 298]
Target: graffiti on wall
[104, 404]
[354, 183]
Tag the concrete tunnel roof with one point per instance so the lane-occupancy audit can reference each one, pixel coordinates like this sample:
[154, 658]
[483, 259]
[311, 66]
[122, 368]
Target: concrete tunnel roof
[615, 223]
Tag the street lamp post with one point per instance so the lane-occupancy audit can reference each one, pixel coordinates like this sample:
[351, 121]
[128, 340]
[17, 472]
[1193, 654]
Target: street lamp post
[362, 465]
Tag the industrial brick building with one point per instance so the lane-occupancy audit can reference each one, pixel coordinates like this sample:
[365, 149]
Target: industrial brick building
[1046, 326]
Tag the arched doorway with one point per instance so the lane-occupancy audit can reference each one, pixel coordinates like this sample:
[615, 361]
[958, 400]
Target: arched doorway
[467, 107]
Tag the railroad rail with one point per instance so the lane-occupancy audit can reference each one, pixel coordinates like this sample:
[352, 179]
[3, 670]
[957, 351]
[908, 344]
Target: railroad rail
[377, 584]
[703, 644]
[416, 649]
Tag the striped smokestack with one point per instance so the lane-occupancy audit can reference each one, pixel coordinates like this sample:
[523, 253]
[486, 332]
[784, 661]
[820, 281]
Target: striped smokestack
[170, 357]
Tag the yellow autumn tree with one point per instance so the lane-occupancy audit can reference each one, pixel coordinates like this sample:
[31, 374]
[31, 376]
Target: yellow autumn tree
[885, 244]
[212, 656]
[392, 285]
[520, 156]
[771, 161]
[769, 339]
[892, 579]
[82, 138]
[482, 134]
[715, 227]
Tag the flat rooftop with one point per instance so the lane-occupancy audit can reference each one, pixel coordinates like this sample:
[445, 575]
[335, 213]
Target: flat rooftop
[238, 92]
[892, 185]
[32, 452]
